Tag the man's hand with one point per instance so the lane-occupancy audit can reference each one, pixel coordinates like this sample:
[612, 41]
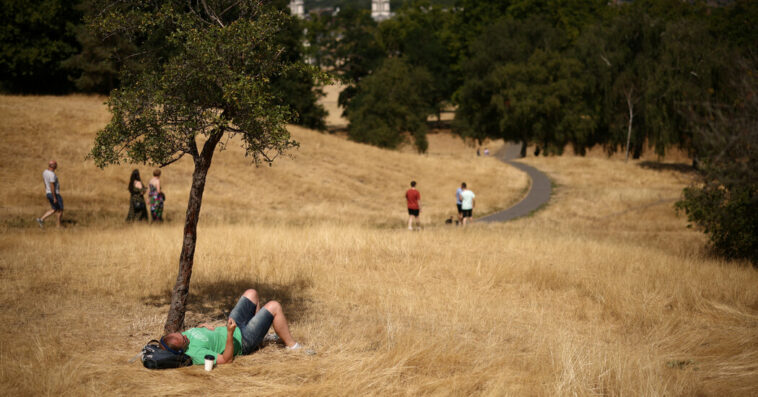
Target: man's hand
[228, 355]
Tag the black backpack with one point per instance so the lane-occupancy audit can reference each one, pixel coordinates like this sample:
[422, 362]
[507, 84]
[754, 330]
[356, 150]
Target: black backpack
[155, 357]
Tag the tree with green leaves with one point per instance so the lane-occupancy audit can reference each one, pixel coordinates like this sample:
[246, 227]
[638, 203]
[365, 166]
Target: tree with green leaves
[96, 67]
[390, 103]
[35, 36]
[416, 33]
[724, 200]
[357, 52]
[480, 102]
[207, 71]
[541, 101]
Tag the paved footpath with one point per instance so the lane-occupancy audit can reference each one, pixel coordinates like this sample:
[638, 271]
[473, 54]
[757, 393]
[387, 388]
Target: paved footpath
[538, 195]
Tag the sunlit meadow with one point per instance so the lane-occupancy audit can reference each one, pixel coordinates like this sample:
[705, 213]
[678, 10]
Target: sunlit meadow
[604, 291]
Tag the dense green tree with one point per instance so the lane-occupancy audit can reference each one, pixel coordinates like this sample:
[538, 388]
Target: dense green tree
[735, 24]
[35, 36]
[390, 103]
[296, 88]
[96, 67]
[357, 52]
[415, 34]
[641, 69]
[724, 201]
[508, 41]
[540, 101]
[207, 71]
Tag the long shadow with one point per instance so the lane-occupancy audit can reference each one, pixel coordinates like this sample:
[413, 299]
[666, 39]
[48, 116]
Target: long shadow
[678, 167]
[212, 301]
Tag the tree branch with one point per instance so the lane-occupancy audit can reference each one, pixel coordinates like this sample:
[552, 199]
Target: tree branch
[211, 14]
[181, 154]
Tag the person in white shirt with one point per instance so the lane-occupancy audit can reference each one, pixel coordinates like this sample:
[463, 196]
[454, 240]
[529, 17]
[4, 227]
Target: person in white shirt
[53, 193]
[467, 203]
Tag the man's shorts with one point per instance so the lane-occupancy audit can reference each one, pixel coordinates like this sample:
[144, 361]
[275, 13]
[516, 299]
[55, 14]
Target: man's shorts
[460, 211]
[253, 326]
[413, 212]
[56, 206]
[467, 213]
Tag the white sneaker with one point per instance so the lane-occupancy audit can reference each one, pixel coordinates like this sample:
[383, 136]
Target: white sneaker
[294, 347]
[41, 223]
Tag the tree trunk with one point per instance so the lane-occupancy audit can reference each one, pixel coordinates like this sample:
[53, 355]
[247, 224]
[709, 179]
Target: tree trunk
[175, 319]
[631, 117]
[522, 153]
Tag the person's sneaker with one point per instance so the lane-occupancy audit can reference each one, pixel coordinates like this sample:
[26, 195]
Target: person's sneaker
[294, 347]
[271, 338]
[41, 223]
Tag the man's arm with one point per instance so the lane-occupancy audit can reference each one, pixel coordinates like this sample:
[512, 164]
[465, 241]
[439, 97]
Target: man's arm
[228, 355]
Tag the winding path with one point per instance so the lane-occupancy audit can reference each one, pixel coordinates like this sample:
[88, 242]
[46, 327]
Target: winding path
[539, 193]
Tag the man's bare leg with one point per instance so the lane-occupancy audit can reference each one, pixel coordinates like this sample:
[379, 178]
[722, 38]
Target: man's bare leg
[252, 295]
[48, 213]
[280, 322]
[58, 216]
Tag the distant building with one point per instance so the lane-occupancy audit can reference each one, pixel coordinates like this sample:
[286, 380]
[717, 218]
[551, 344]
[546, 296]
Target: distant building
[297, 8]
[380, 10]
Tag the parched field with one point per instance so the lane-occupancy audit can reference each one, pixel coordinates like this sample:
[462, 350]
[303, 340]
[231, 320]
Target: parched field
[604, 291]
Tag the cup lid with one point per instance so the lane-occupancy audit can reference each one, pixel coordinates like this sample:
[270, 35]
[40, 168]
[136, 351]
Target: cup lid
[209, 357]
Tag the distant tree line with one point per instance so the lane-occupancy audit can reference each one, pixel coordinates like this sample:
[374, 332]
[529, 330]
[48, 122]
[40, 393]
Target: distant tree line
[48, 47]
[556, 74]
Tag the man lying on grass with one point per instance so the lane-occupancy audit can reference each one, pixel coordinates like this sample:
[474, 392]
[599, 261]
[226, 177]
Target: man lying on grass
[248, 324]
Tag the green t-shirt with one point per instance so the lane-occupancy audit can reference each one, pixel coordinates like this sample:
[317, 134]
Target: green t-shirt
[204, 341]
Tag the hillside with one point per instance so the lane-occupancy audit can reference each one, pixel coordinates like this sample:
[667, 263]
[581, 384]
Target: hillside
[327, 179]
[605, 291]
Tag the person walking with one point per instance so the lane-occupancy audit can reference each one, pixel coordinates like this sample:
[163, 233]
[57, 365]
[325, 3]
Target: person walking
[458, 203]
[137, 207]
[53, 193]
[467, 203]
[156, 196]
[413, 198]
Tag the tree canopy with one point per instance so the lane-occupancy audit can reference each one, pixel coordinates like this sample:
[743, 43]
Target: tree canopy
[207, 70]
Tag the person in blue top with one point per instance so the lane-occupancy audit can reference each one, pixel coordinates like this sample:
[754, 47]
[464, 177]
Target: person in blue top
[248, 324]
[458, 201]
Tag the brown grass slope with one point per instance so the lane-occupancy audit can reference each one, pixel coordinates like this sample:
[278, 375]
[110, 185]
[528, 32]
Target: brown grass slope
[327, 179]
[605, 291]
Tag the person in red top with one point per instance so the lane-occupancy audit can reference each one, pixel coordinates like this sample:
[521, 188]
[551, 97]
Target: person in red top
[413, 197]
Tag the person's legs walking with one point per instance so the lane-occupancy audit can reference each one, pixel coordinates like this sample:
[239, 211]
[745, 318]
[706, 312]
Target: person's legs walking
[48, 213]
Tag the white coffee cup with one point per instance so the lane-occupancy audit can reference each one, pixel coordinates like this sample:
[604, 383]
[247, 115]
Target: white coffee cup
[209, 362]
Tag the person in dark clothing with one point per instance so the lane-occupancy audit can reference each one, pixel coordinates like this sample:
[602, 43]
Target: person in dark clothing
[137, 207]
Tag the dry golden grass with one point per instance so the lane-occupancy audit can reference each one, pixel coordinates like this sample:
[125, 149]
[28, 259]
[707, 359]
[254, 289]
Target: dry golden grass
[604, 291]
[327, 179]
